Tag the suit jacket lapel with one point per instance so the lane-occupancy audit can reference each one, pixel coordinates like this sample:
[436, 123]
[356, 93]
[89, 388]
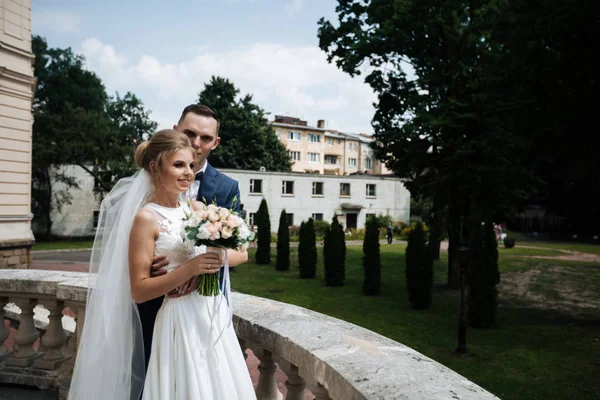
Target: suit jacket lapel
[208, 186]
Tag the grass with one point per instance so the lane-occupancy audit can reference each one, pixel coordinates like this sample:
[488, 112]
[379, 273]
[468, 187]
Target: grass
[533, 353]
[63, 245]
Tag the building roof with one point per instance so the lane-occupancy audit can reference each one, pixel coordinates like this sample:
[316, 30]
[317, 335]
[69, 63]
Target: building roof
[305, 127]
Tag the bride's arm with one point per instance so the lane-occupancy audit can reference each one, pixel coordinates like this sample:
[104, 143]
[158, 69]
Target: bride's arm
[141, 250]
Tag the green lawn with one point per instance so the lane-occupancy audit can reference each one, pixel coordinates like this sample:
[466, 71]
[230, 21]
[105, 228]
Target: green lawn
[534, 353]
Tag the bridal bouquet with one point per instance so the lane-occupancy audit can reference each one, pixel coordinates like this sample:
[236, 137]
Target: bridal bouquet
[213, 226]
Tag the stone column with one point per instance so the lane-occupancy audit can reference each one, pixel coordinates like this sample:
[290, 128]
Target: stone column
[26, 336]
[266, 389]
[4, 332]
[295, 384]
[320, 392]
[54, 338]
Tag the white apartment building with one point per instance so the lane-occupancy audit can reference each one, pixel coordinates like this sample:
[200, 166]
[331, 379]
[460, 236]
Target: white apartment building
[352, 198]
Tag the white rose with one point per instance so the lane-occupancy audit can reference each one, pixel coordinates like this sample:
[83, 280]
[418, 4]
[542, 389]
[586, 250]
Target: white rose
[226, 232]
[243, 231]
[202, 234]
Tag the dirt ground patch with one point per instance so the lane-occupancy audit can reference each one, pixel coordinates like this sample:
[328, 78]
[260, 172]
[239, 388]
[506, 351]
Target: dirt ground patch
[552, 287]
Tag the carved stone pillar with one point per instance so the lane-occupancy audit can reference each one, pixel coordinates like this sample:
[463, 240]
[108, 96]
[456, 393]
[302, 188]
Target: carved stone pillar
[295, 384]
[26, 336]
[320, 392]
[73, 342]
[54, 338]
[266, 389]
[4, 332]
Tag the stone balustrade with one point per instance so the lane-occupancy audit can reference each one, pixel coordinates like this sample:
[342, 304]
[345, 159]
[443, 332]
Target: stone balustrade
[333, 358]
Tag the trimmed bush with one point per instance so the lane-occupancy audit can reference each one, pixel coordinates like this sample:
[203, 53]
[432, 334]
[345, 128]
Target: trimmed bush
[307, 250]
[419, 268]
[483, 276]
[371, 259]
[334, 254]
[263, 236]
[509, 243]
[321, 227]
[282, 260]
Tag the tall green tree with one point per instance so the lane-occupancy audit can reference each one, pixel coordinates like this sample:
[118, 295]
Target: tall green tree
[282, 260]
[76, 123]
[430, 123]
[483, 275]
[334, 254]
[371, 259]
[263, 237]
[247, 139]
[307, 250]
[66, 96]
[419, 269]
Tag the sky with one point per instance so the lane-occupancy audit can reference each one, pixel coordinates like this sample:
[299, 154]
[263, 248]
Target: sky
[165, 51]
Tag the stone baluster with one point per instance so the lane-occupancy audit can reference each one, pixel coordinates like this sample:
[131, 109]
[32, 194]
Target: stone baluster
[79, 310]
[320, 392]
[54, 338]
[266, 389]
[4, 332]
[295, 384]
[26, 335]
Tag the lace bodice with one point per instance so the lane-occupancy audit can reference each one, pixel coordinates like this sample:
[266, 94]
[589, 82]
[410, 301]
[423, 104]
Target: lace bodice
[169, 242]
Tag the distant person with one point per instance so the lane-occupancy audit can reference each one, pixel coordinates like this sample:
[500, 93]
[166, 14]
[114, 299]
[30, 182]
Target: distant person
[242, 212]
[390, 234]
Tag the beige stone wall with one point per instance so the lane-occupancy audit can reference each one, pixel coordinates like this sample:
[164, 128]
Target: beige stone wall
[16, 93]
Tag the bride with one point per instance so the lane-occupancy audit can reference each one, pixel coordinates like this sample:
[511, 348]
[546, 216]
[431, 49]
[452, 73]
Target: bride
[195, 353]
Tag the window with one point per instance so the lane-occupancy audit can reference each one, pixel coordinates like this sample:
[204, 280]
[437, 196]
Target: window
[96, 216]
[255, 185]
[314, 157]
[331, 159]
[314, 138]
[278, 133]
[329, 142]
[353, 146]
[293, 136]
[368, 163]
[294, 155]
[317, 188]
[352, 162]
[344, 189]
[290, 219]
[371, 190]
[287, 187]
[251, 219]
[317, 217]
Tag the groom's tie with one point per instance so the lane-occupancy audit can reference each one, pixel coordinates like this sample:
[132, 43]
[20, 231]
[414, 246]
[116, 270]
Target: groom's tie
[199, 176]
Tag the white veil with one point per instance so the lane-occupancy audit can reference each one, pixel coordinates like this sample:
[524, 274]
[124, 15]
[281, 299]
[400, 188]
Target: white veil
[110, 359]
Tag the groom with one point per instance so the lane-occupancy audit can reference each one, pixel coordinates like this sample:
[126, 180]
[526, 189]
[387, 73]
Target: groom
[201, 125]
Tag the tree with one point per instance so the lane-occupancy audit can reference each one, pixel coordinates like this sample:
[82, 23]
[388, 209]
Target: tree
[282, 262]
[66, 96]
[76, 123]
[263, 237]
[307, 250]
[419, 269]
[483, 275]
[334, 254]
[434, 128]
[247, 139]
[371, 259]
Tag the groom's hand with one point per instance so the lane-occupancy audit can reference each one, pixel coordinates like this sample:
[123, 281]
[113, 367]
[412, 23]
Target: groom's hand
[157, 267]
[184, 289]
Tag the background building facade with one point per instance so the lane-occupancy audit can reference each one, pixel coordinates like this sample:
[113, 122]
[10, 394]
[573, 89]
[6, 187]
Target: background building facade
[17, 86]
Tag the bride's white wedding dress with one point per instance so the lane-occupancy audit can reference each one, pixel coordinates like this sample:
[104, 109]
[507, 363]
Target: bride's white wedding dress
[185, 363]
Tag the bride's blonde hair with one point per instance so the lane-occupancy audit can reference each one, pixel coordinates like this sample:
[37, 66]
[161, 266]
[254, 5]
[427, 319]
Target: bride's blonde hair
[158, 148]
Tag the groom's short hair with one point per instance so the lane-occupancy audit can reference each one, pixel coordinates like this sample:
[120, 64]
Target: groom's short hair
[199, 109]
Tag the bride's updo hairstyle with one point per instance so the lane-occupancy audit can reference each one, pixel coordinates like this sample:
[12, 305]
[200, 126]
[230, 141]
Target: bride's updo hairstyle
[164, 143]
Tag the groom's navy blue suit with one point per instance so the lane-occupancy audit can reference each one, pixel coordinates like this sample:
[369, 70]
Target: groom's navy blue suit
[213, 186]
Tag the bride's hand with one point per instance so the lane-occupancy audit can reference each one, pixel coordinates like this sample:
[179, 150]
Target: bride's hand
[207, 263]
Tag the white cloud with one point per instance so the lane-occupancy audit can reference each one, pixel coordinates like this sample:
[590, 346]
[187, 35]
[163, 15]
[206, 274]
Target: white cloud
[295, 81]
[54, 21]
